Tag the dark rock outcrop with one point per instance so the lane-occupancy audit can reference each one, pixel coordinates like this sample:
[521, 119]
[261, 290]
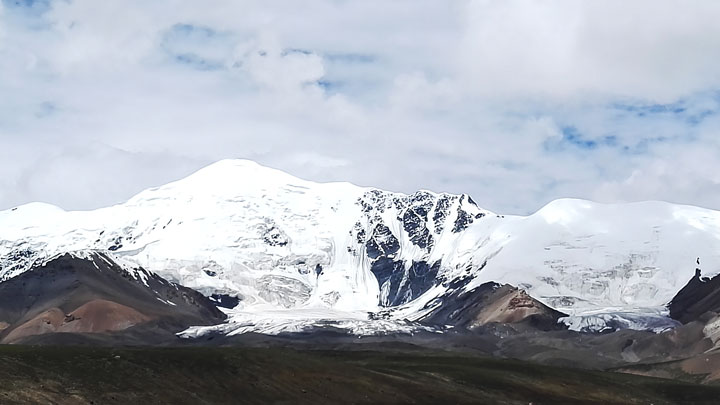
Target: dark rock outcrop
[491, 303]
[92, 294]
[699, 296]
[424, 217]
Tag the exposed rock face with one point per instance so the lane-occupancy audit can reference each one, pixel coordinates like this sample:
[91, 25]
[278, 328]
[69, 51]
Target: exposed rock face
[96, 316]
[422, 216]
[493, 303]
[46, 322]
[102, 316]
[699, 296]
[90, 293]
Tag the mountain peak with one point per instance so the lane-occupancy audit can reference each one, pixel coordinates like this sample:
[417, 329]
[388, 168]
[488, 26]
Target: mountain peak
[239, 171]
[227, 178]
[272, 240]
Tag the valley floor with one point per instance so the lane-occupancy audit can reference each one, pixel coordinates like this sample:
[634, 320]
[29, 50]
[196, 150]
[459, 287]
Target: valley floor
[197, 375]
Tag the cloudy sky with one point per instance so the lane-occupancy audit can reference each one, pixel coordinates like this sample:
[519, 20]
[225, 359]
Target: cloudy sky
[514, 102]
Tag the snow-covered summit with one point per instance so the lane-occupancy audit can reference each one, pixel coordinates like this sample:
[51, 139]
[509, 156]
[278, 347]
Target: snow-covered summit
[279, 242]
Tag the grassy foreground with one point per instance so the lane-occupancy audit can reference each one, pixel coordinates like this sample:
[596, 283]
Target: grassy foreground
[198, 375]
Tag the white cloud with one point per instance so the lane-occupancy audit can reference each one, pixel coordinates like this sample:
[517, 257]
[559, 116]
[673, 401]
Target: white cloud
[272, 66]
[516, 103]
[651, 50]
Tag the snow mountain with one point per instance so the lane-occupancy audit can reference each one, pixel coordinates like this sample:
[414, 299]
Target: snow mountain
[297, 253]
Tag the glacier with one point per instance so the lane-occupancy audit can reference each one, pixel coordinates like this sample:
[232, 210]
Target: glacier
[299, 253]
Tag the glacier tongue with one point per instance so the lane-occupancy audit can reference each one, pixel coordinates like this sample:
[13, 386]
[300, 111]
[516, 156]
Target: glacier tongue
[286, 246]
[612, 319]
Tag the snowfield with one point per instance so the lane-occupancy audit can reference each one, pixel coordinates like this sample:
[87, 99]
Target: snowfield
[299, 253]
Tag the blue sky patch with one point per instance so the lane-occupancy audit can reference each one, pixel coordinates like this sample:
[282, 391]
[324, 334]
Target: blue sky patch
[643, 110]
[197, 62]
[29, 13]
[573, 138]
[34, 5]
[197, 47]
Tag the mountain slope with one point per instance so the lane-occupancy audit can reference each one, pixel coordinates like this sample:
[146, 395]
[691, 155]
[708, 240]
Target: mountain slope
[335, 250]
[700, 296]
[89, 293]
[492, 302]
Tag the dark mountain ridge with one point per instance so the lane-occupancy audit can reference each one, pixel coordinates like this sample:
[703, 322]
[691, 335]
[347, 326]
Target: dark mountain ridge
[90, 293]
[699, 296]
